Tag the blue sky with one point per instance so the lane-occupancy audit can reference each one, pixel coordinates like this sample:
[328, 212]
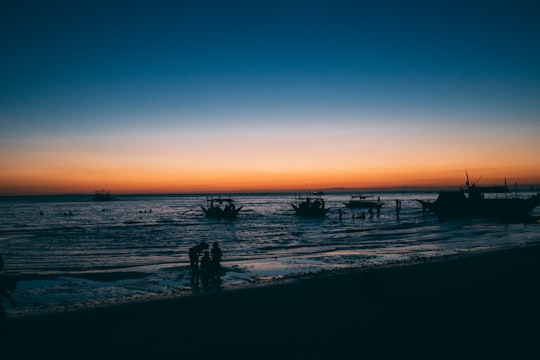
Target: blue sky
[71, 69]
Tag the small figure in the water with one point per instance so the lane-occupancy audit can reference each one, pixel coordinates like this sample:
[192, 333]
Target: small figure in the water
[206, 269]
[362, 216]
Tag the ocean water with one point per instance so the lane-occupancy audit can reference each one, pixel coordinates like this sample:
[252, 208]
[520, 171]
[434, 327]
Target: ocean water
[69, 252]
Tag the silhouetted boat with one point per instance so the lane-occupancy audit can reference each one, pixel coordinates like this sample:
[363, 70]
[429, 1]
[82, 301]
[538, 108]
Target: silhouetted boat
[221, 208]
[308, 206]
[472, 201]
[102, 195]
[360, 202]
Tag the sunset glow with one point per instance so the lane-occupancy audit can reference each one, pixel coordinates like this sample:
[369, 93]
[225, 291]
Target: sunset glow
[182, 98]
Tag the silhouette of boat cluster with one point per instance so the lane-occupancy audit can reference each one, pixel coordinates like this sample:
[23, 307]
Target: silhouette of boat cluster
[470, 201]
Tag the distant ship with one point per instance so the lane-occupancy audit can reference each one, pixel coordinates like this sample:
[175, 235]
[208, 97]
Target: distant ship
[472, 201]
[221, 208]
[103, 195]
[307, 206]
[360, 202]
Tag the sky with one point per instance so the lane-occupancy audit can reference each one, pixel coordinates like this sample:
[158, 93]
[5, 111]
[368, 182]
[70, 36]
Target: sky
[209, 96]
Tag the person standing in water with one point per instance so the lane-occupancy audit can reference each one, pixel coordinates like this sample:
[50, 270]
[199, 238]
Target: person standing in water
[194, 254]
[216, 259]
[206, 269]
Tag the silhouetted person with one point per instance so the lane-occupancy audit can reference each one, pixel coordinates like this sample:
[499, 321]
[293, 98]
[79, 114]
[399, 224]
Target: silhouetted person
[6, 286]
[216, 259]
[194, 254]
[206, 269]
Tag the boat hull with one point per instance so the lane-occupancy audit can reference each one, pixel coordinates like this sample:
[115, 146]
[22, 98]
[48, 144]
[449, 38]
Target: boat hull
[217, 213]
[310, 212]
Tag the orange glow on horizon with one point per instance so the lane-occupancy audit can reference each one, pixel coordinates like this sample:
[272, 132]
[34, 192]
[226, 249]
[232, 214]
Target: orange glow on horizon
[260, 159]
[202, 182]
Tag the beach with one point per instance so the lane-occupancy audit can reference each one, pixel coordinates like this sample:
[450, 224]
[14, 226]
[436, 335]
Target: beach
[478, 306]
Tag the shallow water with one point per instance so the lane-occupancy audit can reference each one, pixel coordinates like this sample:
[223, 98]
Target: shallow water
[70, 252]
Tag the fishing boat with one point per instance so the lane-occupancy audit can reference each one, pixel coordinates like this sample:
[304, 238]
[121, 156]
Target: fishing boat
[310, 206]
[473, 200]
[221, 208]
[102, 195]
[360, 202]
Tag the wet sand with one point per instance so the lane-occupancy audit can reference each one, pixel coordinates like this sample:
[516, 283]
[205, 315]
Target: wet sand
[482, 306]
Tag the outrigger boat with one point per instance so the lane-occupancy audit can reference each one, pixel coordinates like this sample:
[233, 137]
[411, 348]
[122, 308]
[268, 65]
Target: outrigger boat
[221, 208]
[308, 206]
[360, 202]
[472, 201]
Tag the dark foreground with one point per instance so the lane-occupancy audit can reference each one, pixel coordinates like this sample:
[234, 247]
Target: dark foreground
[482, 307]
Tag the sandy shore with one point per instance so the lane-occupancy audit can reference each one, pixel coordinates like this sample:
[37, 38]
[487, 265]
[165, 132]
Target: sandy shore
[483, 306]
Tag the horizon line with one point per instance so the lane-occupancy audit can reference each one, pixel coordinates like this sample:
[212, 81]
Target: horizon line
[401, 188]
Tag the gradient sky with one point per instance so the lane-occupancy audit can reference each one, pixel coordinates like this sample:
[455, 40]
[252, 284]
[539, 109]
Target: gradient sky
[181, 96]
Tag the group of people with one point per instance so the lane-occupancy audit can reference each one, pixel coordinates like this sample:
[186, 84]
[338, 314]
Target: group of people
[210, 264]
[208, 269]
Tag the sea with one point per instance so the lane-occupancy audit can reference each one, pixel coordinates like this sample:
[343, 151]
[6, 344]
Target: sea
[70, 252]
